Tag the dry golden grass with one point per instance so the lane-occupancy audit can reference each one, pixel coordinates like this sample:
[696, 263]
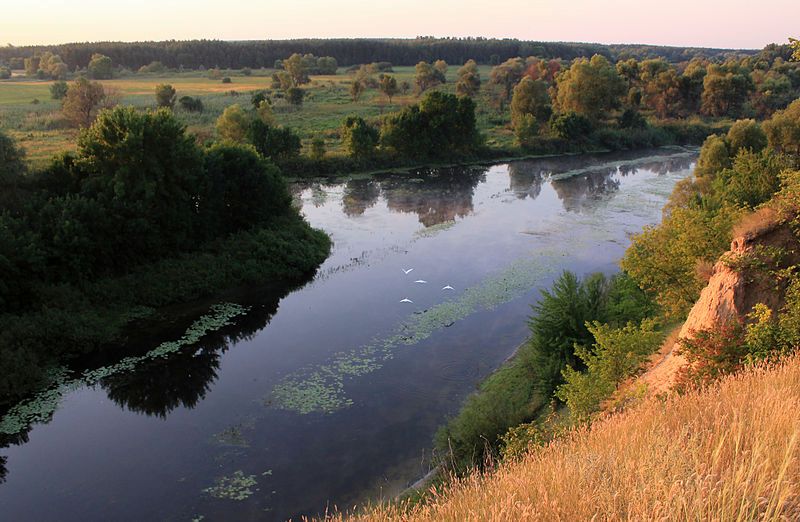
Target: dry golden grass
[727, 453]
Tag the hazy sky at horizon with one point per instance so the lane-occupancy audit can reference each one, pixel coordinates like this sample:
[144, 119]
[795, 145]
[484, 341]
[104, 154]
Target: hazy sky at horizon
[729, 23]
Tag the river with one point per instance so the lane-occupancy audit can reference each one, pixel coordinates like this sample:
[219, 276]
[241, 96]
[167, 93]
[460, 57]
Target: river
[330, 394]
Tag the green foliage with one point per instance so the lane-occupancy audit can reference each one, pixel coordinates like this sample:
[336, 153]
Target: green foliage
[388, 86]
[165, 96]
[714, 157]
[154, 67]
[441, 125]
[783, 129]
[233, 124]
[725, 90]
[617, 353]
[517, 391]
[58, 90]
[100, 67]
[591, 88]
[190, 104]
[427, 76]
[359, 137]
[663, 259]
[571, 126]
[518, 440]
[530, 108]
[5, 73]
[295, 95]
[752, 179]
[746, 135]
[317, 148]
[277, 143]
[469, 79]
[82, 101]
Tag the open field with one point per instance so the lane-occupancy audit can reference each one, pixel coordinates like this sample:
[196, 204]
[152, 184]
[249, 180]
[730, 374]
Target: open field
[30, 116]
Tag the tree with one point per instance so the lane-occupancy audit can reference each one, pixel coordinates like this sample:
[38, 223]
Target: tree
[783, 129]
[427, 76]
[388, 86]
[571, 126]
[58, 90]
[143, 171]
[5, 73]
[530, 108]
[100, 67]
[725, 89]
[233, 124]
[714, 156]
[591, 88]
[507, 75]
[82, 101]
[244, 190]
[317, 148]
[327, 65]
[297, 69]
[796, 46]
[276, 143]
[469, 79]
[190, 104]
[356, 90]
[746, 135]
[165, 95]
[265, 113]
[359, 137]
[52, 66]
[31, 66]
[441, 125]
[441, 66]
[295, 95]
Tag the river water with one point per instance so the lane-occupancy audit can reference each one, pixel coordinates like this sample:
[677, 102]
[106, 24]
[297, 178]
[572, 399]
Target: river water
[330, 394]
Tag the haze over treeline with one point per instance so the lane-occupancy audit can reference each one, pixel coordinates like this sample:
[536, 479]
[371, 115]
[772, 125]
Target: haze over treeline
[192, 54]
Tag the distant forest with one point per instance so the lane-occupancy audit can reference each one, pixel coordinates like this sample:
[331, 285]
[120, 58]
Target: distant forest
[264, 53]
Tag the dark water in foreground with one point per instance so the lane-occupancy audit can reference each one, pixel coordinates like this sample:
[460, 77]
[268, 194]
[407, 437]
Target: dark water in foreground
[332, 393]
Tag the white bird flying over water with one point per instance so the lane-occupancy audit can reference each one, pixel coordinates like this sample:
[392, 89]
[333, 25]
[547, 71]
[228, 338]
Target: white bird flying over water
[406, 271]
[448, 287]
[421, 281]
[406, 300]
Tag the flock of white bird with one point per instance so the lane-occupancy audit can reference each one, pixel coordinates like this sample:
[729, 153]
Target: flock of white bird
[407, 271]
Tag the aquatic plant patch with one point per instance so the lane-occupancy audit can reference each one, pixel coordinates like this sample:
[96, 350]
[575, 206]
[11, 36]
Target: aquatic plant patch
[237, 486]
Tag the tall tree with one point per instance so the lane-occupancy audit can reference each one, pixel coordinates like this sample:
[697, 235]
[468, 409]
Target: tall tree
[469, 79]
[388, 86]
[530, 108]
[427, 76]
[82, 101]
[591, 88]
[725, 89]
[233, 124]
[165, 95]
[100, 67]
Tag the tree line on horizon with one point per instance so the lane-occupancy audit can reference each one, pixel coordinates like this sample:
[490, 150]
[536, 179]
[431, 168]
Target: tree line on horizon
[194, 54]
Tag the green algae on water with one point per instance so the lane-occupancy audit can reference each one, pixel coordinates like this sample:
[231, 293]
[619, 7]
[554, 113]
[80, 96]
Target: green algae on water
[233, 487]
[42, 406]
[321, 389]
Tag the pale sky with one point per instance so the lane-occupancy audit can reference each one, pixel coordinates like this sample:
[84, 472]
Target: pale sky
[728, 23]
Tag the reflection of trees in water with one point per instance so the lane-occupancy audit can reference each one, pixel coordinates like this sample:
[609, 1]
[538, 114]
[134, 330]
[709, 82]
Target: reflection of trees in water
[359, 195]
[575, 192]
[182, 380]
[525, 178]
[435, 195]
[159, 386]
[6, 441]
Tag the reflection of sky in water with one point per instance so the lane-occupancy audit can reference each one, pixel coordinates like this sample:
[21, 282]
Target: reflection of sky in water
[144, 445]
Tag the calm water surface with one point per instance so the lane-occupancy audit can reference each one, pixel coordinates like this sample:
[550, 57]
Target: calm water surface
[331, 394]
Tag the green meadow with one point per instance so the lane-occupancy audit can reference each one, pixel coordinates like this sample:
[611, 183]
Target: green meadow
[30, 116]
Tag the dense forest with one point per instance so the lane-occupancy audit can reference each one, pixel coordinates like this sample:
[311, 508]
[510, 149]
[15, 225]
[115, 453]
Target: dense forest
[257, 54]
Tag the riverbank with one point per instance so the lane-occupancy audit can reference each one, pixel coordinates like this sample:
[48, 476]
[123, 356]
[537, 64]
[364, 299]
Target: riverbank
[79, 319]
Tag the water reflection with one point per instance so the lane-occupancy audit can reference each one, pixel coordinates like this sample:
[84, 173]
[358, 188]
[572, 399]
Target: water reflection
[435, 196]
[359, 195]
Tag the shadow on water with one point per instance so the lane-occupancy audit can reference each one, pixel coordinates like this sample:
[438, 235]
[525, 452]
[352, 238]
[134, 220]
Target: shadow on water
[156, 387]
